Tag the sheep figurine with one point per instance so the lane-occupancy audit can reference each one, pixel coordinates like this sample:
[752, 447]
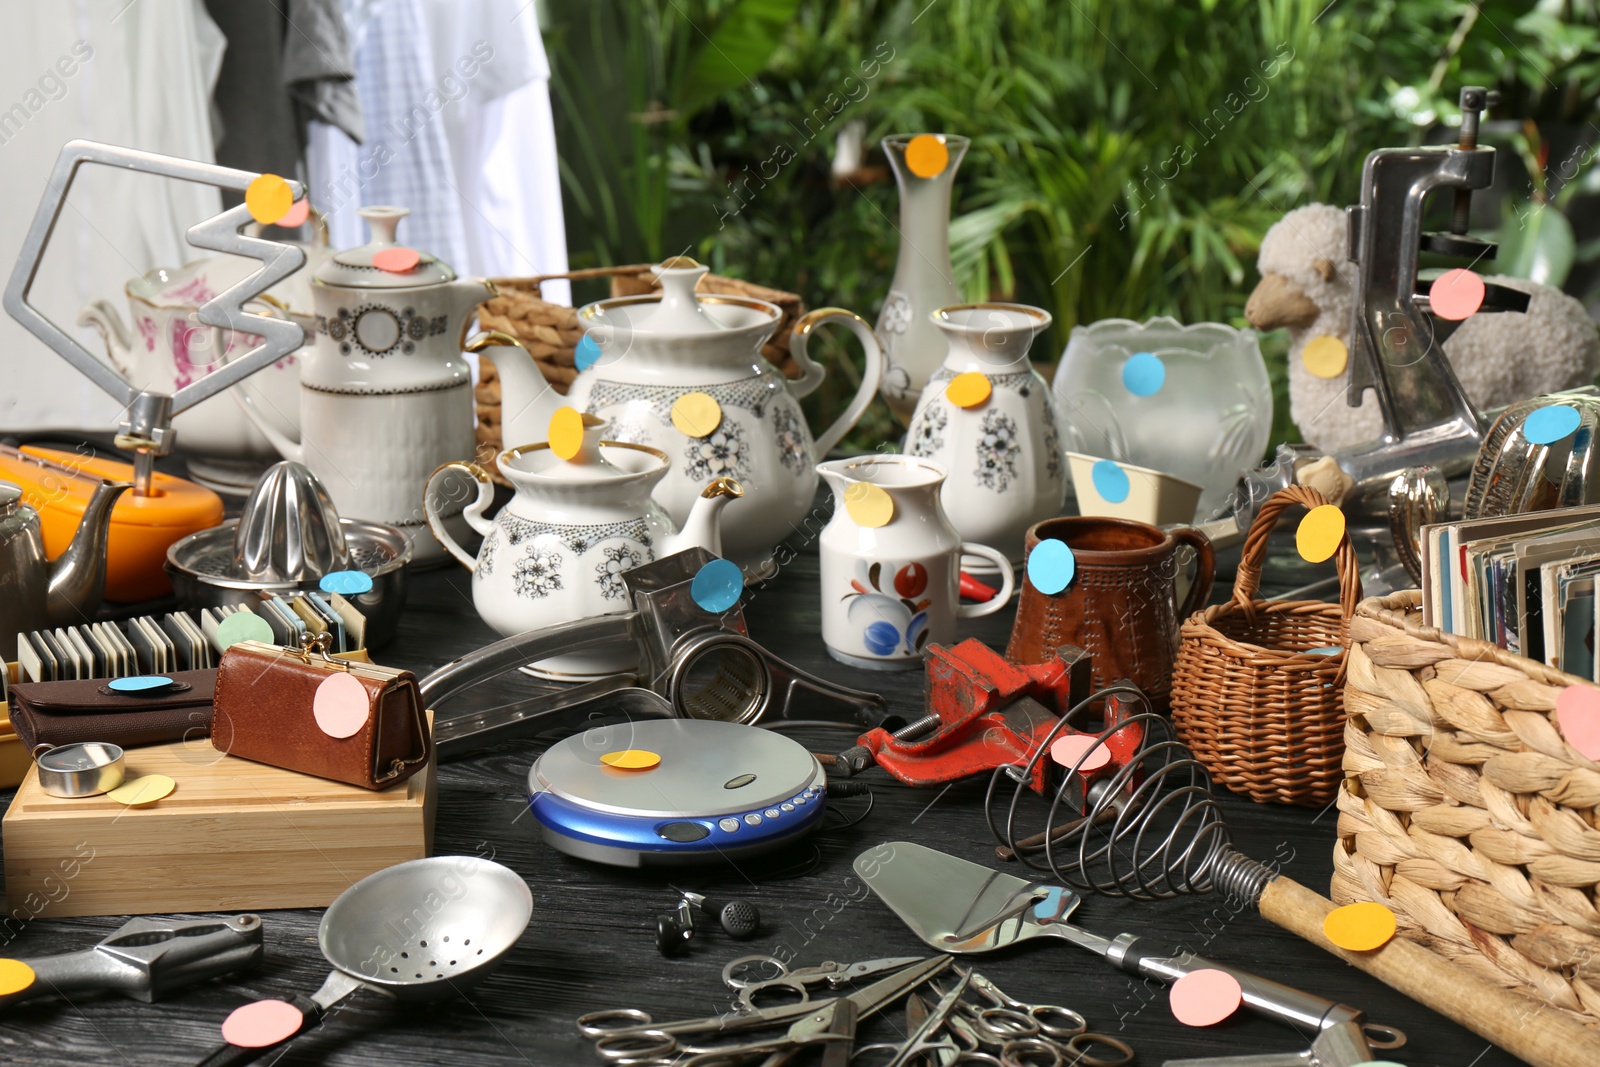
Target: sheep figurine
[1500, 358]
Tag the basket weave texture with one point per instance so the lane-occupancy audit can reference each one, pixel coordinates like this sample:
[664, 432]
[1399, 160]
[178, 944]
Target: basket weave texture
[550, 333]
[1260, 710]
[1466, 811]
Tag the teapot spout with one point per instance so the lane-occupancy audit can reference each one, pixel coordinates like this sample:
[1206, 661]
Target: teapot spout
[119, 342]
[78, 576]
[526, 400]
[703, 527]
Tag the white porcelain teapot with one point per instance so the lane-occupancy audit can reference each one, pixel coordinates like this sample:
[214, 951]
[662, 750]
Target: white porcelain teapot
[557, 551]
[684, 373]
[386, 395]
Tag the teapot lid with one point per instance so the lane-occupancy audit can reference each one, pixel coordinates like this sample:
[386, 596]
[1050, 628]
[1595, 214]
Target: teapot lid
[679, 310]
[591, 465]
[363, 267]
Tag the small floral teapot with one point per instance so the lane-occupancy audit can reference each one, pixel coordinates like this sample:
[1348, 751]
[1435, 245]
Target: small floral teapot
[685, 374]
[557, 551]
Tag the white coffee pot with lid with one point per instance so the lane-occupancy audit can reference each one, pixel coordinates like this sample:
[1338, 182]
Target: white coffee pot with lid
[683, 372]
[386, 395]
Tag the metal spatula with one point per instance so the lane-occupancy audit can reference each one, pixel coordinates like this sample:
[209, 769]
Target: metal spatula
[962, 907]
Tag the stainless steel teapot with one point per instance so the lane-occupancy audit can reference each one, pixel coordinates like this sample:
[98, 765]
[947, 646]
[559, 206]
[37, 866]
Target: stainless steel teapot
[35, 593]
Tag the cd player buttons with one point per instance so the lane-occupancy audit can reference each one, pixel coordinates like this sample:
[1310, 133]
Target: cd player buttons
[752, 819]
[729, 824]
[800, 800]
[685, 832]
[773, 813]
[786, 806]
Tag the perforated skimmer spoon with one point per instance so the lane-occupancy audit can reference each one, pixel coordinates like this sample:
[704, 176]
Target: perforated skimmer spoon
[416, 931]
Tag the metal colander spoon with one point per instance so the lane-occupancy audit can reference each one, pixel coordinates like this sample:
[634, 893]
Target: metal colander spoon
[416, 931]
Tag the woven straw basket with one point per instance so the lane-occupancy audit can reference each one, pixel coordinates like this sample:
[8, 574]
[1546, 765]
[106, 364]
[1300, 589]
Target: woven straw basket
[550, 333]
[1466, 812]
[1262, 713]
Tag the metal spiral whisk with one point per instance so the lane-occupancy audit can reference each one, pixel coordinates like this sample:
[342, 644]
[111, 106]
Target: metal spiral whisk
[1147, 826]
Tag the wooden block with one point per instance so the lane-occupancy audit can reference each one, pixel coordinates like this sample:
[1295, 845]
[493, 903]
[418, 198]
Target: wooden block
[233, 836]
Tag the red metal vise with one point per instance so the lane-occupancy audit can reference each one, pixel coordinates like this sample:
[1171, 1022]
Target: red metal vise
[984, 712]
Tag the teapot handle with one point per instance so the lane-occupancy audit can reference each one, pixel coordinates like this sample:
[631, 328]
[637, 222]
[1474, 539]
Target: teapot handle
[473, 513]
[812, 373]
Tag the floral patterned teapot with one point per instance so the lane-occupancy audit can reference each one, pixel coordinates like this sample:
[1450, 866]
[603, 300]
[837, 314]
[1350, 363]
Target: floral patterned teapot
[557, 550]
[684, 373]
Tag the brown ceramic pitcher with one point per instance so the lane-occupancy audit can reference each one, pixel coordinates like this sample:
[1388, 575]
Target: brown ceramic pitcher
[1122, 602]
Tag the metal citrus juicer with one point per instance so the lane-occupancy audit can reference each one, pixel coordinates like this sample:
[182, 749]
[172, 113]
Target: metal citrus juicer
[1433, 434]
[147, 428]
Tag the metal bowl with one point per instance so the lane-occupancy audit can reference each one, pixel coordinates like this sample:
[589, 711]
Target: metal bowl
[203, 570]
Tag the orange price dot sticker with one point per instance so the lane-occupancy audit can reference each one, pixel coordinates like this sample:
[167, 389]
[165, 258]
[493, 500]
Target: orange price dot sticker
[1325, 356]
[696, 414]
[631, 759]
[927, 156]
[566, 432]
[968, 390]
[15, 976]
[1359, 927]
[1456, 294]
[1205, 997]
[1320, 533]
[396, 260]
[269, 198]
[868, 505]
[146, 790]
[297, 214]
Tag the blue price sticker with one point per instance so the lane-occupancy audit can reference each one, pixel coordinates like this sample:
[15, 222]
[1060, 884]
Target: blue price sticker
[1144, 374]
[346, 583]
[717, 585]
[1110, 481]
[1051, 566]
[139, 684]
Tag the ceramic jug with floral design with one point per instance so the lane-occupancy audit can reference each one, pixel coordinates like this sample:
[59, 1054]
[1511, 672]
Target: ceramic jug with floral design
[1003, 452]
[557, 551]
[891, 585]
[652, 353]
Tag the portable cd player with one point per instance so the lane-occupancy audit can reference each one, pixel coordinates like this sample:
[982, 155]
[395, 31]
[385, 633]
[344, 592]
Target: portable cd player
[675, 791]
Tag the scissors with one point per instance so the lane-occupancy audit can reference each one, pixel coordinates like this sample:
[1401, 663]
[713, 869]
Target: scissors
[924, 1037]
[1010, 1017]
[629, 1038]
[799, 981]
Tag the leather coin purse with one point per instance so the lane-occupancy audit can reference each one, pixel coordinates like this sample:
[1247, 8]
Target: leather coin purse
[304, 711]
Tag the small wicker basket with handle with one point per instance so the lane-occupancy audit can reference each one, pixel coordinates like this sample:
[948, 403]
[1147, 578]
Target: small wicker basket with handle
[1255, 694]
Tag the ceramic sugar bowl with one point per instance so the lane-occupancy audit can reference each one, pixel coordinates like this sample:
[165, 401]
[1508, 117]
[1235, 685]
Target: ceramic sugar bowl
[684, 373]
[891, 563]
[989, 418]
[556, 552]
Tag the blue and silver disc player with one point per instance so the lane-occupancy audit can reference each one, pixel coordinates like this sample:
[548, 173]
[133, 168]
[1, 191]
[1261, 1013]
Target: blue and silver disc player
[675, 791]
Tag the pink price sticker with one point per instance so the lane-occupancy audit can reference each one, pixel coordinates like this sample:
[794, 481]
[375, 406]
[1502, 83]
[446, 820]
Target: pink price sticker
[1205, 997]
[396, 260]
[1456, 294]
[1578, 715]
[340, 705]
[262, 1024]
[297, 214]
[1068, 749]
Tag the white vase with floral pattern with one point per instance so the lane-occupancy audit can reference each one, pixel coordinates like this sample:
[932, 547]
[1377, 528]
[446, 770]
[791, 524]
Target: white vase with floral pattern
[1007, 467]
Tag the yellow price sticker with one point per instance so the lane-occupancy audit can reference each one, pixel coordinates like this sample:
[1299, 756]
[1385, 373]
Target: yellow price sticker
[1360, 927]
[631, 759]
[1325, 356]
[1319, 533]
[268, 198]
[696, 414]
[146, 790]
[868, 505]
[566, 432]
[968, 390]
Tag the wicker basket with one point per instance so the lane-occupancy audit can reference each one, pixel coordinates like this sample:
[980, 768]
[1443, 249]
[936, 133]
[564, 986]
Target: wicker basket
[550, 332]
[1261, 711]
[1466, 812]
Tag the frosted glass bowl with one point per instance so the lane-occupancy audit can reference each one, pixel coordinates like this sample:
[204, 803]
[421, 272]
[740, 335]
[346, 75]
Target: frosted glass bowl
[1207, 423]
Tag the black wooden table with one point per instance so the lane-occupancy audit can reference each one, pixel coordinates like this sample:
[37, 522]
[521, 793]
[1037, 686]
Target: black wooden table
[590, 944]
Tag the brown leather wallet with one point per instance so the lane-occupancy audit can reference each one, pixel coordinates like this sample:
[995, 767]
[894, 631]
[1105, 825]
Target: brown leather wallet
[61, 713]
[264, 711]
